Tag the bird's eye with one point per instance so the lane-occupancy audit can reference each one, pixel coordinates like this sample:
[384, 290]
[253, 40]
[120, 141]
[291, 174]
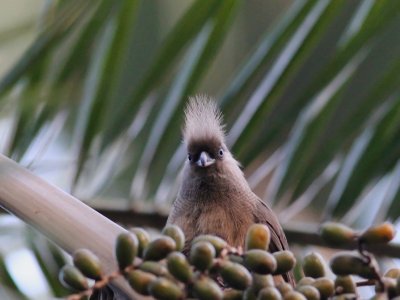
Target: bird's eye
[189, 157]
[221, 152]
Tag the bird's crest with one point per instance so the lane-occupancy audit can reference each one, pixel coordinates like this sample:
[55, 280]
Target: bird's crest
[203, 121]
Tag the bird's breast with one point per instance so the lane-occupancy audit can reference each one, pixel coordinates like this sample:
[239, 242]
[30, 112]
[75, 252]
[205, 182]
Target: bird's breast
[214, 203]
[229, 222]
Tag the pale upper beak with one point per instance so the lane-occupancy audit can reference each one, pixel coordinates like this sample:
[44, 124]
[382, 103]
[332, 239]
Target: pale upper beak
[204, 160]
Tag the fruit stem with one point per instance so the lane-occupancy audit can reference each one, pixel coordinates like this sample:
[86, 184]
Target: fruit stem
[368, 282]
[368, 259]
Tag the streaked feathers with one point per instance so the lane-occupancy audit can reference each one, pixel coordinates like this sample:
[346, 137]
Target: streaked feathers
[203, 121]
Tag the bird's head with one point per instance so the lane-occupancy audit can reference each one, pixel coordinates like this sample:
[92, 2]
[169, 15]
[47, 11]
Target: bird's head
[204, 134]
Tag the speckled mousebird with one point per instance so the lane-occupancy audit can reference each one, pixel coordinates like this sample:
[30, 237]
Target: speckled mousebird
[214, 197]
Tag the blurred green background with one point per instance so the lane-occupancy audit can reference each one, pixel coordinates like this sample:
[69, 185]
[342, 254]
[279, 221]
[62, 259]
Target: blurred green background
[92, 92]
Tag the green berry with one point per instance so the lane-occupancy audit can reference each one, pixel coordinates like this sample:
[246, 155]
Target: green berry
[260, 261]
[71, 277]
[88, 263]
[159, 248]
[140, 281]
[179, 267]
[165, 289]
[235, 275]
[336, 234]
[126, 249]
[216, 241]
[314, 265]
[258, 237]
[143, 238]
[205, 288]
[285, 261]
[202, 255]
[176, 234]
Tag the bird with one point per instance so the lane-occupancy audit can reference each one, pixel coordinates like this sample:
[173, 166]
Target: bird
[214, 196]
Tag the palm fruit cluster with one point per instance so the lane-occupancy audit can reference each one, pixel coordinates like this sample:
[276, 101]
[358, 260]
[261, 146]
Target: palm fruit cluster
[214, 270]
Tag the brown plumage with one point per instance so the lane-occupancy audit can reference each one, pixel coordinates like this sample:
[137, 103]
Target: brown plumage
[215, 197]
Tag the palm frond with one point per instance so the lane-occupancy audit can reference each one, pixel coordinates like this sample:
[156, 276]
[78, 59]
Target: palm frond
[312, 109]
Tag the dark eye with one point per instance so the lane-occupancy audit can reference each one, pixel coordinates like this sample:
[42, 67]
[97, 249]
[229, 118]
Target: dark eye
[221, 152]
[189, 157]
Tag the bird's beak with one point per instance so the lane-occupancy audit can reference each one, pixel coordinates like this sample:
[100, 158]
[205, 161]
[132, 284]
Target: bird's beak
[204, 160]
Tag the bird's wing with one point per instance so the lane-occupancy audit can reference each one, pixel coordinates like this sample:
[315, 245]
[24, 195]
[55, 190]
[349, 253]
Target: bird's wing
[263, 214]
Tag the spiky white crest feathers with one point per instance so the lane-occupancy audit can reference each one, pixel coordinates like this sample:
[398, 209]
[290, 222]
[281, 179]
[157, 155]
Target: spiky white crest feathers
[203, 120]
